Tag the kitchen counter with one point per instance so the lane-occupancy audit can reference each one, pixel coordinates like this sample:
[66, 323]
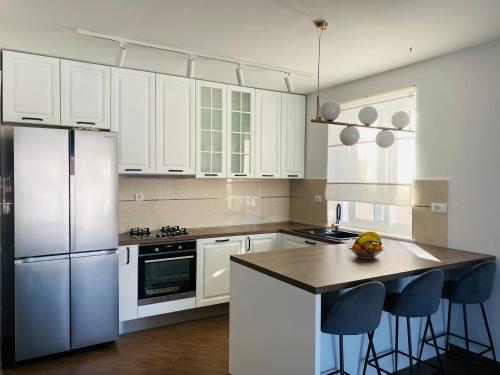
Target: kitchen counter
[222, 231]
[323, 269]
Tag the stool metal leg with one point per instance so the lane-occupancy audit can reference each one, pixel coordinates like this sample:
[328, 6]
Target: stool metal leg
[367, 355]
[409, 345]
[429, 322]
[489, 333]
[423, 340]
[397, 345]
[341, 344]
[374, 353]
[448, 328]
[466, 331]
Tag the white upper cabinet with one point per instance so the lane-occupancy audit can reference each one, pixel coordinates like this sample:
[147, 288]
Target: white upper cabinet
[241, 132]
[31, 89]
[175, 125]
[211, 129]
[268, 134]
[133, 117]
[293, 127]
[85, 95]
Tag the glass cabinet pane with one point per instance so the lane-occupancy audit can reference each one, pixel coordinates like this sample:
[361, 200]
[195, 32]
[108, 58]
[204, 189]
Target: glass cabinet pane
[235, 163]
[216, 98]
[216, 119]
[245, 102]
[216, 163]
[245, 122]
[241, 129]
[206, 164]
[205, 118]
[205, 97]
[217, 141]
[206, 142]
[235, 101]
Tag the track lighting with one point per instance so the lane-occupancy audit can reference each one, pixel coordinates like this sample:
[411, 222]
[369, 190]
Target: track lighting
[289, 83]
[190, 67]
[120, 55]
[239, 75]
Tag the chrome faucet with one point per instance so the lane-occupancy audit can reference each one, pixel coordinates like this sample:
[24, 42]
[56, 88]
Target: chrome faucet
[338, 215]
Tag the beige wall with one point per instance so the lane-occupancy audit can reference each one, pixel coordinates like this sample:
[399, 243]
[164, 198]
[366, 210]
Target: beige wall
[191, 202]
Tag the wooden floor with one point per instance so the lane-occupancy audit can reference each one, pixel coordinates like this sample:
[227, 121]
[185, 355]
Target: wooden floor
[198, 347]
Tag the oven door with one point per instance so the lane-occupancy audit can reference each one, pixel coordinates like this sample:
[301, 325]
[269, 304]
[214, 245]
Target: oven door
[167, 276]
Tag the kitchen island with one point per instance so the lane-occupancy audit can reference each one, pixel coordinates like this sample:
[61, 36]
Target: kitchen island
[276, 302]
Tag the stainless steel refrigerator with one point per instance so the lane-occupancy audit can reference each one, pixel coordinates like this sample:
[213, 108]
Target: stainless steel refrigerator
[59, 239]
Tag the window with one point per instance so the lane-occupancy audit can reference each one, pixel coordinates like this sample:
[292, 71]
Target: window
[372, 184]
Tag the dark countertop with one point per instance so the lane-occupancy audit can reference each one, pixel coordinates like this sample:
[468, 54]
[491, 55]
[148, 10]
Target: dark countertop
[234, 230]
[322, 269]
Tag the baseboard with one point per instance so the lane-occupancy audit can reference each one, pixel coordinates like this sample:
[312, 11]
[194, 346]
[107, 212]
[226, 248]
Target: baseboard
[459, 351]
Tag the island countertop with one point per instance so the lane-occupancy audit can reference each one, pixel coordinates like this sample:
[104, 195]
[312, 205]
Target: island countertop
[323, 269]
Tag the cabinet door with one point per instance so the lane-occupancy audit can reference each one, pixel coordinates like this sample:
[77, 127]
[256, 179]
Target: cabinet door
[294, 242]
[212, 279]
[85, 94]
[241, 132]
[268, 134]
[262, 242]
[128, 276]
[133, 118]
[31, 89]
[175, 125]
[211, 129]
[293, 127]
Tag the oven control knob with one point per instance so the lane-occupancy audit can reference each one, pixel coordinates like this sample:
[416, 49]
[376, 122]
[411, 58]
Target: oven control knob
[157, 250]
[180, 247]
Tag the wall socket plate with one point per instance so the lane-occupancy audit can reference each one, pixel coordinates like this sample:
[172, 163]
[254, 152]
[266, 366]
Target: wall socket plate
[139, 196]
[439, 208]
[318, 199]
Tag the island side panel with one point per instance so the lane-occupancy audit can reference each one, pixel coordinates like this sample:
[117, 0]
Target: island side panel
[274, 327]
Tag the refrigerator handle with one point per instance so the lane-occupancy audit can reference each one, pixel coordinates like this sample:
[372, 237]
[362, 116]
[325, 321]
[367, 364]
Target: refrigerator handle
[72, 197]
[93, 253]
[40, 259]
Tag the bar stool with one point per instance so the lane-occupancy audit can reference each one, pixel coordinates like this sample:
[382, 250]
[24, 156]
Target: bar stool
[474, 287]
[356, 312]
[419, 299]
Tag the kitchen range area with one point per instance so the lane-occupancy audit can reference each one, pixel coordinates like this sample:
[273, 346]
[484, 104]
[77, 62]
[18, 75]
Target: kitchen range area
[260, 201]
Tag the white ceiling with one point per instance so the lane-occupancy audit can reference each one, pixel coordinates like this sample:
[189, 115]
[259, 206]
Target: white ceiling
[365, 36]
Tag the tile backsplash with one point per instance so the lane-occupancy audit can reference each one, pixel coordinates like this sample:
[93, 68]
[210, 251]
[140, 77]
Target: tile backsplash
[192, 202]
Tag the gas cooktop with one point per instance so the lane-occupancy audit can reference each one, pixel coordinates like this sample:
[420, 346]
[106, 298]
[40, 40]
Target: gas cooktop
[168, 231]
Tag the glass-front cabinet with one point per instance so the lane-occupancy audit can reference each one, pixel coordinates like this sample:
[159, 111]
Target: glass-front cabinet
[211, 129]
[241, 133]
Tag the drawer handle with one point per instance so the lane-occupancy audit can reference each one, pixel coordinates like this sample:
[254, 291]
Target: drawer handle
[133, 169]
[310, 242]
[293, 175]
[32, 118]
[267, 175]
[224, 240]
[128, 255]
[211, 174]
[176, 170]
[85, 123]
[240, 175]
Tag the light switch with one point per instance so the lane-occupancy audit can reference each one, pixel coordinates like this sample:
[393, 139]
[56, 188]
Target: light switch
[318, 199]
[439, 208]
[139, 196]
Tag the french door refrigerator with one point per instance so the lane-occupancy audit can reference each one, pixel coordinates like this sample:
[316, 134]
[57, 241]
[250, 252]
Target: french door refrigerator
[60, 234]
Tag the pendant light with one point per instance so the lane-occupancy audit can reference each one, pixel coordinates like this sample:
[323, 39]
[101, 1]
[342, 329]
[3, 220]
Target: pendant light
[321, 25]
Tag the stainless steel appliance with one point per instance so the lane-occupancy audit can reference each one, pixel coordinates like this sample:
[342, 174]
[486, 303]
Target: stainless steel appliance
[167, 272]
[60, 235]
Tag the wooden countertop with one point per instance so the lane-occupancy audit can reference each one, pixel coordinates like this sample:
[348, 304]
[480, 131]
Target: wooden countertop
[234, 230]
[322, 269]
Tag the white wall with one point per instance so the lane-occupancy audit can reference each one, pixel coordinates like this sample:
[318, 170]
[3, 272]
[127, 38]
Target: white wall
[458, 137]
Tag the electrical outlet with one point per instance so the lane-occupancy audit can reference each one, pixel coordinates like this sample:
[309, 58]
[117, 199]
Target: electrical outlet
[139, 196]
[439, 208]
[318, 199]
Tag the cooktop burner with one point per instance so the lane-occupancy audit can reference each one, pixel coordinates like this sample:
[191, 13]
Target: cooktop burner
[168, 231]
[140, 232]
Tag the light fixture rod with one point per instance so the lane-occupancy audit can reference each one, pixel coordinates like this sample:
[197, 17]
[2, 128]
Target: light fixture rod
[188, 52]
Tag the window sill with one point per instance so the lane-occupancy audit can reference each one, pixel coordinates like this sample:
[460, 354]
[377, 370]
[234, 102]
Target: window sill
[390, 236]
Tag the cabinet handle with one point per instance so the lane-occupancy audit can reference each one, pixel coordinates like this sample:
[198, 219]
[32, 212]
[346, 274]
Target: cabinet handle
[176, 170]
[310, 242]
[293, 175]
[240, 175]
[128, 255]
[32, 118]
[85, 123]
[133, 169]
[267, 175]
[211, 174]
[224, 240]
[248, 244]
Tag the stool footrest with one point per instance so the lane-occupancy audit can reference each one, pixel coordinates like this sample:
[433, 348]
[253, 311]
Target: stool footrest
[391, 352]
[429, 342]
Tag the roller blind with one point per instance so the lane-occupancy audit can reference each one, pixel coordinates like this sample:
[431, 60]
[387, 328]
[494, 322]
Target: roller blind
[365, 172]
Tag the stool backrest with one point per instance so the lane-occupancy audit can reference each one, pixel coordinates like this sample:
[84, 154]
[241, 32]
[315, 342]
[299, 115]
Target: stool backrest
[421, 296]
[356, 312]
[476, 285]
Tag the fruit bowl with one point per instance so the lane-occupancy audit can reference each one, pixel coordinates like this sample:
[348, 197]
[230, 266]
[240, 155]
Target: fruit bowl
[367, 246]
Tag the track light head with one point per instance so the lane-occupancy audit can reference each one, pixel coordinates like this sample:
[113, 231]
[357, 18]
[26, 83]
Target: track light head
[190, 67]
[239, 75]
[120, 55]
[289, 83]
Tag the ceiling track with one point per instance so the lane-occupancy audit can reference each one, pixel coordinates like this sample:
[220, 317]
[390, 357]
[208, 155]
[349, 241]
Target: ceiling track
[125, 41]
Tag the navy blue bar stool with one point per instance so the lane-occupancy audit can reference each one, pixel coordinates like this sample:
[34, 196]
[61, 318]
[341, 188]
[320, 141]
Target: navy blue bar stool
[356, 312]
[472, 288]
[419, 299]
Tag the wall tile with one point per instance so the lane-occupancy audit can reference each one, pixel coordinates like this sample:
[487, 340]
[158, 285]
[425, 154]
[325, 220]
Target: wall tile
[430, 228]
[425, 192]
[303, 209]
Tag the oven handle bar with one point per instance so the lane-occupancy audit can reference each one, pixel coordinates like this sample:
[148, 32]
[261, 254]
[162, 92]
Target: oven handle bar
[168, 259]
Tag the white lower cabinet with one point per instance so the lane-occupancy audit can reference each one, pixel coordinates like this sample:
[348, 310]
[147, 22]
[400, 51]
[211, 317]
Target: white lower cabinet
[127, 275]
[212, 271]
[261, 242]
[293, 242]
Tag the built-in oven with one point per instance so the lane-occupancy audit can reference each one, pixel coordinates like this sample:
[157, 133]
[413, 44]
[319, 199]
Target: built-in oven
[167, 272]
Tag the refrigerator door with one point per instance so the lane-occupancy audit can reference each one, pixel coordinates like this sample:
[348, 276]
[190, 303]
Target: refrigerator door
[42, 315]
[41, 191]
[94, 298]
[94, 184]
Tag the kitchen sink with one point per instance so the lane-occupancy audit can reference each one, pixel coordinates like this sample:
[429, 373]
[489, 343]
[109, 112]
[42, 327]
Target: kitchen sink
[328, 233]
